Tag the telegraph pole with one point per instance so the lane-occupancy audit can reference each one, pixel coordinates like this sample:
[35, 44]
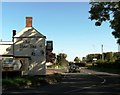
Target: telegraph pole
[118, 47]
[102, 52]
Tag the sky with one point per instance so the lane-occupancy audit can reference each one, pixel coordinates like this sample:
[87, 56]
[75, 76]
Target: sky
[65, 23]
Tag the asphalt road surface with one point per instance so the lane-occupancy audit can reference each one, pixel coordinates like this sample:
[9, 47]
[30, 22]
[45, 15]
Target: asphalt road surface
[87, 82]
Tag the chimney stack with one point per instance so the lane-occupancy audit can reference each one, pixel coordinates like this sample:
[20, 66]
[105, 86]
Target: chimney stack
[14, 32]
[28, 21]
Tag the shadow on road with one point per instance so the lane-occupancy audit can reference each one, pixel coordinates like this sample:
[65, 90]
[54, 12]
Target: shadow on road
[72, 83]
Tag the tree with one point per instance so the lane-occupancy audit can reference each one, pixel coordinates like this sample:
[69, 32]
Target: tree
[89, 57]
[77, 59]
[61, 59]
[108, 56]
[117, 55]
[83, 59]
[107, 11]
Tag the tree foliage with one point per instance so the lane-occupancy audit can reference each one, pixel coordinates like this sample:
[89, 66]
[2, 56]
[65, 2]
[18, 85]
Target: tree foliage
[77, 59]
[107, 11]
[108, 57]
[61, 59]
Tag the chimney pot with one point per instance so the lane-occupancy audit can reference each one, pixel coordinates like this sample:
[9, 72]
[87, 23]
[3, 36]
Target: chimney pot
[28, 21]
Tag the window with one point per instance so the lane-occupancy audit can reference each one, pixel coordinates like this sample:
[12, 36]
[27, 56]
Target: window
[8, 61]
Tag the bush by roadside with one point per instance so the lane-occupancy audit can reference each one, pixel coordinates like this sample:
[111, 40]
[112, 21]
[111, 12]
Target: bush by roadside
[105, 66]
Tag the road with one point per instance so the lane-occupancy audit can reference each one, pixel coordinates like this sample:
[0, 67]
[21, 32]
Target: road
[87, 82]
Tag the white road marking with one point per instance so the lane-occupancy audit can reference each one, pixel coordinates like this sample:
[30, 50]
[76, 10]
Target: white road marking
[89, 73]
[88, 87]
[103, 81]
[94, 85]
[74, 90]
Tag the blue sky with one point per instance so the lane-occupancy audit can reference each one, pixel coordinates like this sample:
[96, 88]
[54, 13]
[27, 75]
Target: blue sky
[67, 24]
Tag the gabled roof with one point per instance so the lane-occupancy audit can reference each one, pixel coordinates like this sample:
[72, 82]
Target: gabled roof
[29, 32]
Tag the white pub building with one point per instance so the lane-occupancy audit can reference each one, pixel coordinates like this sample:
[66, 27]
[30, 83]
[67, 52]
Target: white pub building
[26, 52]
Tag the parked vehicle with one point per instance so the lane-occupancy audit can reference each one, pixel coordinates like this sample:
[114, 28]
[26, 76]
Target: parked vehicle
[73, 68]
[10, 64]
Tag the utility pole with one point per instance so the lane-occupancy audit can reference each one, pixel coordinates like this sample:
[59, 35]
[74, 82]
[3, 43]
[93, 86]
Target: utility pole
[102, 52]
[118, 47]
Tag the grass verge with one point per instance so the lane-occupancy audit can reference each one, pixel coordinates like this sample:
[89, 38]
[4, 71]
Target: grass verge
[30, 81]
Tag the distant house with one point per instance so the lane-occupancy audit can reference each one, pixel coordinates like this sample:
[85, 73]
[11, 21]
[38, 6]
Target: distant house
[26, 52]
